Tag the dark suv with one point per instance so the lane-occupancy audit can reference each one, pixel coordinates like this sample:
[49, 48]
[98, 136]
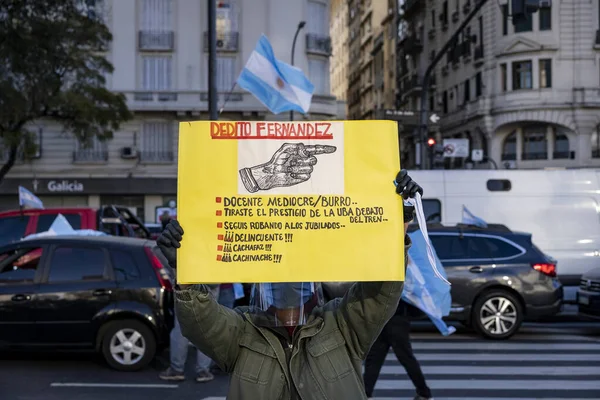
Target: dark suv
[112, 294]
[498, 277]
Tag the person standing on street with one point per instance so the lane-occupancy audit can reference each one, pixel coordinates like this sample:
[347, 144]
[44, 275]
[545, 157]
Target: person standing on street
[288, 345]
[396, 334]
[178, 353]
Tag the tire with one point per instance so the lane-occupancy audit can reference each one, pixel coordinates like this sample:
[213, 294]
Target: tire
[121, 352]
[490, 322]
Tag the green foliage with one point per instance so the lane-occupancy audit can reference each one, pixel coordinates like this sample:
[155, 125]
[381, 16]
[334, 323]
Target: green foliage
[52, 66]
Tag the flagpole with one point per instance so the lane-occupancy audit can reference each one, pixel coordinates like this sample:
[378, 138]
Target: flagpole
[227, 97]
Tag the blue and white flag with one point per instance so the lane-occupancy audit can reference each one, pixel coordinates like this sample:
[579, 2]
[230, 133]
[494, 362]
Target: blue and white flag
[279, 86]
[469, 219]
[28, 199]
[426, 285]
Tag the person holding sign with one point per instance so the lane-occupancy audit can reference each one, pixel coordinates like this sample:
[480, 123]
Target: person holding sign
[288, 345]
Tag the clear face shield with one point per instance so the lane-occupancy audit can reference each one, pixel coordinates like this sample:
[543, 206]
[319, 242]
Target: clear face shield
[284, 304]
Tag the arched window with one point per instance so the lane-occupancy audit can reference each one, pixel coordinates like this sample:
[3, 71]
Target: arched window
[561, 144]
[509, 148]
[535, 143]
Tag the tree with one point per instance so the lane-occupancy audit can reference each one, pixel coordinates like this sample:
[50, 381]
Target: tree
[52, 67]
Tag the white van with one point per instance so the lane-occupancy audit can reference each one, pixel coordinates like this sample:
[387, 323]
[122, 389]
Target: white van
[561, 208]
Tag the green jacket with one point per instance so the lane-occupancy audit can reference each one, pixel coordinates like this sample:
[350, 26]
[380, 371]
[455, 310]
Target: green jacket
[323, 361]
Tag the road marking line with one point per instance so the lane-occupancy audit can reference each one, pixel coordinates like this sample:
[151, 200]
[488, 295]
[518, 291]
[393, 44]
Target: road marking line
[114, 385]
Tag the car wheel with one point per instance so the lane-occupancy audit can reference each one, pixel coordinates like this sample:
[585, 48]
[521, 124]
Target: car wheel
[128, 345]
[497, 314]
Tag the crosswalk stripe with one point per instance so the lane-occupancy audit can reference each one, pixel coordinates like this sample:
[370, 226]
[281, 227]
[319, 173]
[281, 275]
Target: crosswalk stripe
[502, 357]
[485, 370]
[503, 346]
[489, 384]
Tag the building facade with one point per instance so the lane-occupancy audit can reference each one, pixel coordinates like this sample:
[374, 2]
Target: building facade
[384, 61]
[339, 61]
[160, 55]
[525, 94]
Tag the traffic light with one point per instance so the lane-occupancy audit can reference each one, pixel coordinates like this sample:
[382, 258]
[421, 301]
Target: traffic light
[431, 142]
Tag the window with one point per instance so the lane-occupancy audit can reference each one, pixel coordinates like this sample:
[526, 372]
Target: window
[226, 73]
[318, 71]
[498, 185]
[449, 247]
[72, 264]
[595, 145]
[503, 77]
[157, 73]
[524, 24]
[499, 249]
[505, 19]
[478, 85]
[19, 266]
[124, 266]
[432, 210]
[561, 144]
[467, 91]
[445, 102]
[433, 18]
[156, 15]
[95, 150]
[477, 248]
[318, 18]
[546, 73]
[227, 20]
[535, 144]
[46, 220]
[522, 76]
[444, 16]
[545, 19]
[157, 142]
[13, 228]
[509, 148]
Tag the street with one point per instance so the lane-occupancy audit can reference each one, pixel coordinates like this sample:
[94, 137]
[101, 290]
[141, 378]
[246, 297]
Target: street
[550, 360]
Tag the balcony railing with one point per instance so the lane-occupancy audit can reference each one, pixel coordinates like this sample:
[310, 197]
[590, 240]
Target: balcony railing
[156, 41]
[91, 155]
[410, 83]
[154, 156]
[155, 96]
[467, 7]
[318, 44]
[540, 155]
[226, 42]
[412, 45]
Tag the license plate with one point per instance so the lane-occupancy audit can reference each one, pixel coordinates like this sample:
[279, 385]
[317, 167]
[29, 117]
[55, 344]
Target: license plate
[583, 299]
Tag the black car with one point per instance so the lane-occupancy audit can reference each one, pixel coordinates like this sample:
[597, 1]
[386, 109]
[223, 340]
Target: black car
[588, 294]
[111, 294]
[499, 277]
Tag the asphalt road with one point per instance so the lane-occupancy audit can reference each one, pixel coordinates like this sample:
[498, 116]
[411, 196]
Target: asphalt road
[559, 360]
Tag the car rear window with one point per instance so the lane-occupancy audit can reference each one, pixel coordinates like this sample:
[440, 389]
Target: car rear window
[500, 249]
[124, 266]
[46, 220]
[13, 228]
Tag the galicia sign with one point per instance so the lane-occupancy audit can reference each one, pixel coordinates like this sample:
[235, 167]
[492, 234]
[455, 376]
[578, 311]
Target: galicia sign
[65, 186]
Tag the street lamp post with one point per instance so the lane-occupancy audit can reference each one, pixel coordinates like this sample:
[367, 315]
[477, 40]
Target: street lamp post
[300, 26]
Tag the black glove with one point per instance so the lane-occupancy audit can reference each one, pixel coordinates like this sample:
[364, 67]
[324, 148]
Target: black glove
[405, 186]
[170, 240]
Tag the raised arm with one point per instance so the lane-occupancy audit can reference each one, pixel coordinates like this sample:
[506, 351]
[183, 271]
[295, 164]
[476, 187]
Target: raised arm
[368, 306]
[212, 328]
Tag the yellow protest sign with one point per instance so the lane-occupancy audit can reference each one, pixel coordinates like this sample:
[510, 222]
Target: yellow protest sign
[289, 202]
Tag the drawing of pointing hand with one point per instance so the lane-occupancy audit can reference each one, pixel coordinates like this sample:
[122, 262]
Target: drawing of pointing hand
[290, 165]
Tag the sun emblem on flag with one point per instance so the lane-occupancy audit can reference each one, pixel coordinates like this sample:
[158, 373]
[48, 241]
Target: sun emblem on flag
[280, 83]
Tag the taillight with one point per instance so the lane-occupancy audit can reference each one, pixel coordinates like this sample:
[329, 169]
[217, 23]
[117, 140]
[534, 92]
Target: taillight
[546, 269]
[161, 272]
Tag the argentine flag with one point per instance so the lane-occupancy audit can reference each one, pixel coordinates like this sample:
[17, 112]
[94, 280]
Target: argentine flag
[468, 218]
[279, 86]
